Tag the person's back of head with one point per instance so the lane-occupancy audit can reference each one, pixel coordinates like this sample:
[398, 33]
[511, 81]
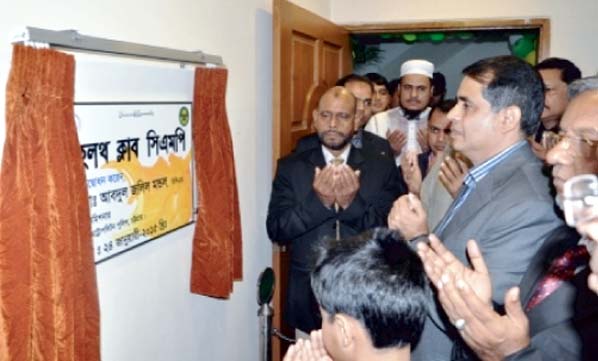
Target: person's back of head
[378, 79]
[439, 84]
[510, 81]
[373, 295]
[349, 78]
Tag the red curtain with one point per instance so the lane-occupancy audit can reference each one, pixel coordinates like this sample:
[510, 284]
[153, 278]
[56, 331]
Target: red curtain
[217, 247]
[48, 292]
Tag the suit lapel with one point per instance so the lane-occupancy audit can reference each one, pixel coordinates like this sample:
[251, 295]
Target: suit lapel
[355, 158]
[555, 245]
[316, 157]
[486, 189]
[572, 301]
[561, 304]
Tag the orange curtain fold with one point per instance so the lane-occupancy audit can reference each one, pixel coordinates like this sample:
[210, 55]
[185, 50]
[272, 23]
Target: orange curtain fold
[48, 291]
[217, 246]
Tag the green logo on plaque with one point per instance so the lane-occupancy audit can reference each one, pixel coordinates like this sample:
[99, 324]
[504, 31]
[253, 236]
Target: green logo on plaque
[184, 116]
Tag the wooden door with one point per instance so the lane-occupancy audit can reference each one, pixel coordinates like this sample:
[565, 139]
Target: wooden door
[310, 54]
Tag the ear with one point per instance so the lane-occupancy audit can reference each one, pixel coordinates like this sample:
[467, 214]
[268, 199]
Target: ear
[431, 90]
[510, 119]
[345, 332]
[314, 115]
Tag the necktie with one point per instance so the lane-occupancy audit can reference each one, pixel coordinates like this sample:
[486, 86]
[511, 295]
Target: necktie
[466, 188]
[562, 269]
[337, 161]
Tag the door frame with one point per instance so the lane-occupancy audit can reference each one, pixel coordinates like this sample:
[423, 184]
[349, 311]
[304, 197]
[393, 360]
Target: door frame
[541, 24]
[543, 51]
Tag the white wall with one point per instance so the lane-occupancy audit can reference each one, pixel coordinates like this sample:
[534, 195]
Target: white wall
[574, 24]
[320, 7]
[147, 312]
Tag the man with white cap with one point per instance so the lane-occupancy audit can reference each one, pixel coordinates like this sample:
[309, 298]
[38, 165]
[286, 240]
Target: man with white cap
[404, 126]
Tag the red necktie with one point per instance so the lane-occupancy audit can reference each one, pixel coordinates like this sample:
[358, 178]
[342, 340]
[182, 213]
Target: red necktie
[561, 269]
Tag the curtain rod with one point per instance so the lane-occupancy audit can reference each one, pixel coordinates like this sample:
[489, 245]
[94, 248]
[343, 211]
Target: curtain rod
[71, 39]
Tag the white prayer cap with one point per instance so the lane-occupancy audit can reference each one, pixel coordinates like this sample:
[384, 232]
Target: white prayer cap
[417, 66]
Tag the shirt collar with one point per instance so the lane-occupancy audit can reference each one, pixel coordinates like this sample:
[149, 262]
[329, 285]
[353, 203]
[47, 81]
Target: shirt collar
[328, 156]
[478, 172]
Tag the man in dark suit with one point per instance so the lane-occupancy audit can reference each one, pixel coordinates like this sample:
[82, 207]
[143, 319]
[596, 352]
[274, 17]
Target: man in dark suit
[362, 89]
[332, 190]
[559, 316]
[505, 200]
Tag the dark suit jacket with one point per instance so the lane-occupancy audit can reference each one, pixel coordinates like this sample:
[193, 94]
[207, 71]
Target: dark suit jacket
[564, 326]
[372, 144]
[296, 216]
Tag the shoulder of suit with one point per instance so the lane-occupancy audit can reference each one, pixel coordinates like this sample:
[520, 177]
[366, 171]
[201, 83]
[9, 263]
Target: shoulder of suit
[307, 142]
[373, 137]
[299, 156]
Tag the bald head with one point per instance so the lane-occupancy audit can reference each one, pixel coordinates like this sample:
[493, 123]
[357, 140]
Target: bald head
[582, 112]
[337, 92]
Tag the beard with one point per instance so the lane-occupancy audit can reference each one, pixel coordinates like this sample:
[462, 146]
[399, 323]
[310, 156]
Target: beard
[344, 140]
[412, 114]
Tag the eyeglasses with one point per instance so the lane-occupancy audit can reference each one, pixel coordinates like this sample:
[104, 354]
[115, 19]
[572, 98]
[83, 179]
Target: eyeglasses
[566, 140]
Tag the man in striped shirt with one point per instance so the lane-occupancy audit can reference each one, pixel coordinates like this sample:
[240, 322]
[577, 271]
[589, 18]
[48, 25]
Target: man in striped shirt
[504, 202]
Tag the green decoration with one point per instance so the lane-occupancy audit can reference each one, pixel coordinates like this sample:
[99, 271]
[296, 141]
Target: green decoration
[386, 36]
[410, 38]
[423, 37]
[524, 47]
[465, 35]
[437, 37]
[365, 54]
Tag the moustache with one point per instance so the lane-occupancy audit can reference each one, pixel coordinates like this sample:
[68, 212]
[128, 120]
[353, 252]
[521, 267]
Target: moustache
[333, 132]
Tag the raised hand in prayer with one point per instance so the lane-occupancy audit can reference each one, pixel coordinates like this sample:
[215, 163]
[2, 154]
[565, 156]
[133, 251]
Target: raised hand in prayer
[346, 185]
[323, 185]
[411, 173]
[408, 216]
[465, 294]
[397, 140]
[451, 175]
[308, 350]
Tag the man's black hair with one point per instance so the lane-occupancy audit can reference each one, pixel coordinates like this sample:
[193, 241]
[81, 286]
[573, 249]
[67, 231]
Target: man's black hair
[569, 71]
[378, 79]
[439, 83]
[393, 85]
[510, 81]
[445, 106]
[378, 279]
[354, 78]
